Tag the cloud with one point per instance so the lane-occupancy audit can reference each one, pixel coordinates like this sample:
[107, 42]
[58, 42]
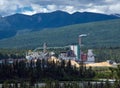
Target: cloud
[29, 12]
[30, 7]
[10, 7]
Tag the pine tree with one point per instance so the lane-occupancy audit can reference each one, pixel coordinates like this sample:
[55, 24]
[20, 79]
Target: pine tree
[38, 69]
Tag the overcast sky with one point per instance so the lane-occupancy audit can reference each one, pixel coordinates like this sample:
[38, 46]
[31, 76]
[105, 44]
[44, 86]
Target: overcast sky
[8, 7]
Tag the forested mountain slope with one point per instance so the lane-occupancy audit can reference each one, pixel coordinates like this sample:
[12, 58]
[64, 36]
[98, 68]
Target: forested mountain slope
[100, 34]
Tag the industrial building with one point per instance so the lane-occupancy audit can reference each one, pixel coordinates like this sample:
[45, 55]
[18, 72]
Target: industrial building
[74, 53]
[36, 54]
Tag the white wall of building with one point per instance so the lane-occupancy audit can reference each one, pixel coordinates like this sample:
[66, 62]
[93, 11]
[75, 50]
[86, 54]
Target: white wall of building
[90, 56]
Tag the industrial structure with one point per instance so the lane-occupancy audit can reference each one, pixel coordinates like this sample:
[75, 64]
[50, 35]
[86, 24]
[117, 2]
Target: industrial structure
[74, 52]
[36, 54]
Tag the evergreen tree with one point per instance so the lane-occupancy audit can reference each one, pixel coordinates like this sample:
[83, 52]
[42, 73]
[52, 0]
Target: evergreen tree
[38, 69]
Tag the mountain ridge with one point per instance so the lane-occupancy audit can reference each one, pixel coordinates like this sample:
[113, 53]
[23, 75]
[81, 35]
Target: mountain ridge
[10, 25]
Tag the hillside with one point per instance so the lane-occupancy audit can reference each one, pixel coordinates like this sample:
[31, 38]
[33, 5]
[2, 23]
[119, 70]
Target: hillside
[10, 25]
[104, 33]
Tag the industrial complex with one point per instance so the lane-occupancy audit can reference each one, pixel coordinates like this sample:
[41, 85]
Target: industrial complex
[74, 52]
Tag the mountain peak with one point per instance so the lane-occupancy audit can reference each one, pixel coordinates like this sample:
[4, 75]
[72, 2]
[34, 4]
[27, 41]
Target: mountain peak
[59, 11]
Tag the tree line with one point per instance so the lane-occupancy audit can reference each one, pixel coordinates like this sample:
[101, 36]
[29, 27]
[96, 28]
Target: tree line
[43, 70]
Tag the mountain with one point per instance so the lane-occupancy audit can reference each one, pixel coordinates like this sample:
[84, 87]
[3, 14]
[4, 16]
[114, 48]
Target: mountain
[10, 25]
[118, 15]
[100, 34]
